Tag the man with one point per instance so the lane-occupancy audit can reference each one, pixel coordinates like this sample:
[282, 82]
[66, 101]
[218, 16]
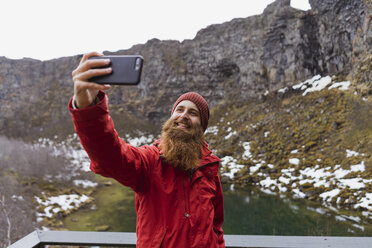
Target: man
[179, 200]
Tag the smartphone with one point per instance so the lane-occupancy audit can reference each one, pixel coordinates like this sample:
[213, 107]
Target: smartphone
[126, 70]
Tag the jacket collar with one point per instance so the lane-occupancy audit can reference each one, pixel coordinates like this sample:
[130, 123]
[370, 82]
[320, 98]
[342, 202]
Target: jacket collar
[207, 156]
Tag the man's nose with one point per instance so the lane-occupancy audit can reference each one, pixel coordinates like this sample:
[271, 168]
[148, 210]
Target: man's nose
[184, 115]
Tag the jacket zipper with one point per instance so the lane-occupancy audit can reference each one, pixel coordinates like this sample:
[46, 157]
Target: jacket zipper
[187, 215]
[187, 209]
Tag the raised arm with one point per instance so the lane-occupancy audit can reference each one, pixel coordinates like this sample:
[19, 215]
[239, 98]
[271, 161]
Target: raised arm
[110, 156]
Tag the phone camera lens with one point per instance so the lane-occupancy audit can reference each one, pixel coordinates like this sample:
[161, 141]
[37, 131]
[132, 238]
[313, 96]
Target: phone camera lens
[138, 63]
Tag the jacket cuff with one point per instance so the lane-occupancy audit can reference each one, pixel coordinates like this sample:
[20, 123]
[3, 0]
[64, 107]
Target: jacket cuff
[92, 112]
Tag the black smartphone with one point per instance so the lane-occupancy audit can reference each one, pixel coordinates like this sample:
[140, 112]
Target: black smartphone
[126, 70]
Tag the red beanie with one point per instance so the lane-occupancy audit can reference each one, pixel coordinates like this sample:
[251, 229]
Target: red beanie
[200, 102]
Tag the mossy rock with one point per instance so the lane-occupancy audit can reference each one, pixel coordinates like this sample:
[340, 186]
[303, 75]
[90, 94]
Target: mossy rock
[307, 186]
[309, 145]
[102, 228]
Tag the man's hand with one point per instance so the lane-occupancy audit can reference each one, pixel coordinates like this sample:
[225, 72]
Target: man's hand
[85, 92]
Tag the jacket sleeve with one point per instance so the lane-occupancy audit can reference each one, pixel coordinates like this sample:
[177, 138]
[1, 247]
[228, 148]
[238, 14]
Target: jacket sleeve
[110, 156]
[218, 213]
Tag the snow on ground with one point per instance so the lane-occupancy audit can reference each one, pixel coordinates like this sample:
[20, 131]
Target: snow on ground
[139, 141]
[247, 150]
[365, 201]
[212, 130]
[230, 135]
[266, 134]
[327, 196]
[350, 153]
[75, 153]
[340, 85]
[17, 197]
[318, 83]
[255, 168]
[334, 177]
[78, 161]
[55, 204]
[358, 167]
[283, 90]
[294, 161]
[331, 177]
[232, 164]
[70, 149]
[85, 183]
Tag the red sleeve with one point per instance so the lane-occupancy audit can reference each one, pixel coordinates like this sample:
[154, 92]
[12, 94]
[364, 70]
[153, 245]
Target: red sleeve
[110, 156]
[218, 212]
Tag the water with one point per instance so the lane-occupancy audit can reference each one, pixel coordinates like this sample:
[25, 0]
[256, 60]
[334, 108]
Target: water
[256, 213]
[247, 211]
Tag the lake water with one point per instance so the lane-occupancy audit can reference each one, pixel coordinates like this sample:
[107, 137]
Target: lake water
[247, 211]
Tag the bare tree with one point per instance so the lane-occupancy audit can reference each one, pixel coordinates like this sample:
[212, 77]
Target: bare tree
[7, 238]
[16, 215]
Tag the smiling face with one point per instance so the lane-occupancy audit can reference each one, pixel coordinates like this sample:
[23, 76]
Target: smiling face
[186, 114]
[182, 136]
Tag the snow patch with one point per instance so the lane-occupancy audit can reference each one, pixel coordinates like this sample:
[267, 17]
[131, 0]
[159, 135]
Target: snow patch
[318, 83]
[17, 197]
[247, 150]
[140, 141]
[358, 167]
[232, 166]
[255, 168]
[55, 203]
[350, 153]
[327, 196]
[340, 85]
[85, 183]
[365, 202]
[294, 161]
[212, 130]
[283, 90]
[230, 135]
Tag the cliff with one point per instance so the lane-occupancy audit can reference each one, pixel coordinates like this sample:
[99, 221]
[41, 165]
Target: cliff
[237, 60]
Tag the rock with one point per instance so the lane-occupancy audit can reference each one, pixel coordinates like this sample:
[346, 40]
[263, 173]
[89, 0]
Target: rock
[107, 183]
[102, 228]
[338, 22]
[224, 179]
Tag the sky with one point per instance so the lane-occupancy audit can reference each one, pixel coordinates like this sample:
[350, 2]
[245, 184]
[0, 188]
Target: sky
[48, 29]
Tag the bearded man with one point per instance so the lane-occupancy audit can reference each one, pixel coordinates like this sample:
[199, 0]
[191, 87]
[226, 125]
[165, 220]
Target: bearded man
[178, 193]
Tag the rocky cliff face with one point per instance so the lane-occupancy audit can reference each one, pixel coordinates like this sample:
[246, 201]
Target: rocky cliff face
[236, 60]
[33, 95]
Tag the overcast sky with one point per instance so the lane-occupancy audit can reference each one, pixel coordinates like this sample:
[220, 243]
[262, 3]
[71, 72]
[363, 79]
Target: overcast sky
[47, 29]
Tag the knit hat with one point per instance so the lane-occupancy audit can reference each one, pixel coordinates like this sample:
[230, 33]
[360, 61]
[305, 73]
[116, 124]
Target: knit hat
[200, 102]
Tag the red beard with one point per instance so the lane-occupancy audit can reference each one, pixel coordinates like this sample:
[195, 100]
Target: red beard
[181, 148]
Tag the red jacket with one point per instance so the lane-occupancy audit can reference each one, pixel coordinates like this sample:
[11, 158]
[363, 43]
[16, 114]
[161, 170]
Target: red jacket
[174, 209]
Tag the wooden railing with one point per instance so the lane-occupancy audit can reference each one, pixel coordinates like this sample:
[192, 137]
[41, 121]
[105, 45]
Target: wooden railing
[39, 239]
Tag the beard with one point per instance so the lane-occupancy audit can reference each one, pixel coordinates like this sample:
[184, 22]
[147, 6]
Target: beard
[181, 148]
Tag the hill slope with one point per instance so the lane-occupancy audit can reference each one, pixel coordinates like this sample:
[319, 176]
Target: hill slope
[312, 140]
